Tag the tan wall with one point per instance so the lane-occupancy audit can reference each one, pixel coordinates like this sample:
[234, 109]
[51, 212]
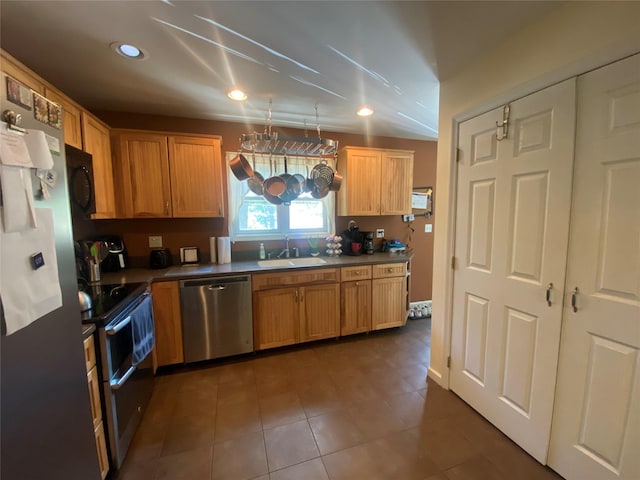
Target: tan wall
[178, 233]
[571, 40]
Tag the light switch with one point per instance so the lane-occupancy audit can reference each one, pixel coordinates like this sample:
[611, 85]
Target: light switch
[428, 228]
[155, 241]
[380, 233]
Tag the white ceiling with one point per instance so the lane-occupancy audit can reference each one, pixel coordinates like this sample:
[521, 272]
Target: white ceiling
[337, 55]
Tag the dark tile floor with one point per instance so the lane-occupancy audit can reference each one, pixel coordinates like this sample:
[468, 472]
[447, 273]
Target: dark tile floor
[360, 408]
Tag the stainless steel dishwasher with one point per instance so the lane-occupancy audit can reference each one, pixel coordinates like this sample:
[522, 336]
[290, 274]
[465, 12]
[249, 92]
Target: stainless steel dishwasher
[216, 317]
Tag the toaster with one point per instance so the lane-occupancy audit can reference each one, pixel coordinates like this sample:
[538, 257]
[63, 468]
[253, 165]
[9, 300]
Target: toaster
[160, 258]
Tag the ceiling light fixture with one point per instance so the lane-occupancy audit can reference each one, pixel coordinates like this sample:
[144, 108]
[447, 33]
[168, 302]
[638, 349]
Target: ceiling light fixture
[237, 95]
[129, 51]
[364, 111]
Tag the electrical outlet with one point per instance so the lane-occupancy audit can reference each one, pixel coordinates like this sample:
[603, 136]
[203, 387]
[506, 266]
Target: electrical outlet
[408, 217]
[380, 233]
[428, 228]
[155, 241]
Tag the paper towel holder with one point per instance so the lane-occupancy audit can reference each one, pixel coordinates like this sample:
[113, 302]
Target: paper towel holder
[189, 255]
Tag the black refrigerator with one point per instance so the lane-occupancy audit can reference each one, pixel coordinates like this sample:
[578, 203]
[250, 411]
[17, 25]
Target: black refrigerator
[46, 429]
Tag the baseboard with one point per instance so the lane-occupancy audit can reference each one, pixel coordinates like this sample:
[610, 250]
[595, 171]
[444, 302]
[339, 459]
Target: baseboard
[435, 376]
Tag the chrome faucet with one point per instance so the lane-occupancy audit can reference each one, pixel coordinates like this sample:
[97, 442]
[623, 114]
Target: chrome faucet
[285, 252]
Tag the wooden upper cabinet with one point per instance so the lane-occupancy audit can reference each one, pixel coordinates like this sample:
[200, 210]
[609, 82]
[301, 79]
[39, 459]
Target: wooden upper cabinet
[396, 182]
[71, 118]
[196, 176]
[376, 182]
[97, 143]
[15, 69]
[142, 173]
[162, 175]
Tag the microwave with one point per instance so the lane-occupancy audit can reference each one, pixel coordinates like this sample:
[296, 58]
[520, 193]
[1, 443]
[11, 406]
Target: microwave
[80, 181]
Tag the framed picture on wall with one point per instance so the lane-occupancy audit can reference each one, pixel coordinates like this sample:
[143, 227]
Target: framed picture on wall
[422, 201]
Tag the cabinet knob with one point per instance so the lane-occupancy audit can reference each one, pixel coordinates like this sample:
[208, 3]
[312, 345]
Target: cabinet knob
[166, 207]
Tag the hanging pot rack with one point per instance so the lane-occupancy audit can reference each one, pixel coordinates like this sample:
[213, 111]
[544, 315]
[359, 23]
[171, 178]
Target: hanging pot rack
[272, 143]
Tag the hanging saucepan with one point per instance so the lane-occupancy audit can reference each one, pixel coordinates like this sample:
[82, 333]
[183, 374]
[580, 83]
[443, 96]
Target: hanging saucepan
[322, 175]
[308, 183]
[273, 199]
[336, 182]
[240, 167]
[293, 186]
[274, 185]
[256, 183]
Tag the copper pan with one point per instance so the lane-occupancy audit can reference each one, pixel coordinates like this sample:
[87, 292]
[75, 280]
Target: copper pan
[240, 167]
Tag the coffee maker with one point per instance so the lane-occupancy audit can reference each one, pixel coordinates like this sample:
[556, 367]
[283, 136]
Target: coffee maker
[367, 245]
[117, 258]
[352, 240]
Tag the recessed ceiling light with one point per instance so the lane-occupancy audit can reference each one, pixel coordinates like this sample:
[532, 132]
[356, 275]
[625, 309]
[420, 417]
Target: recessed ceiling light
[129, 51]
[237, 95]
[364, 111]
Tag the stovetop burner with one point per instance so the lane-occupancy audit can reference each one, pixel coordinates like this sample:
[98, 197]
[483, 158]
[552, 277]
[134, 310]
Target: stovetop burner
[109, 299]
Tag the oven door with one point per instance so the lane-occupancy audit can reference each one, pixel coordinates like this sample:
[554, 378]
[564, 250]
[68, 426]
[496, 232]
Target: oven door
[128, 383]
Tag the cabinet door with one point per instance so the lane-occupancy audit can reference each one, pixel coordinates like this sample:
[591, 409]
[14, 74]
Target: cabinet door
[396, 183]
[71, 121]
[94, 396]
[101, 447]
[196, 176]
[168, 322]
[143, 172]
[355, 307]
[320, 312]
[360, 191]
[388, 303]
[97, 143]
[275, 316]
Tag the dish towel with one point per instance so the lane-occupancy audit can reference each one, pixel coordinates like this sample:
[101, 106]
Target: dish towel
[142, 330]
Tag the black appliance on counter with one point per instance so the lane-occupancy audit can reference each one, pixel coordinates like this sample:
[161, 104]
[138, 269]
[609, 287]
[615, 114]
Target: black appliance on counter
[117, 258]
[123, 316]
[367, 245]
[159, 258]
[352, 236]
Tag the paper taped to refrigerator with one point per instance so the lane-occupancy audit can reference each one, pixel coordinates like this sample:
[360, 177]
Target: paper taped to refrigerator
[27, 294]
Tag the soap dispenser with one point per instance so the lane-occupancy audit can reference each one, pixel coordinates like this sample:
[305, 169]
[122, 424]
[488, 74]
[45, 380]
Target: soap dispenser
[262, 254]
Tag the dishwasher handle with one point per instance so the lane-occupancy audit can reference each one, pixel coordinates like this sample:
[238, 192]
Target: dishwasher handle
[215, 283]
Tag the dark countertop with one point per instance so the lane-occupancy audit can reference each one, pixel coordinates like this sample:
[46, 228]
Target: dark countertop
[182, 272]
[87, 330]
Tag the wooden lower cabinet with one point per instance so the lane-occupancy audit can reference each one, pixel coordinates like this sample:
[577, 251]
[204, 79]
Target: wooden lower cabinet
[388, 302]
[275, 317]
[168, 323]
[287, 310]
[355, 307]
[93, 382]
[319, 312]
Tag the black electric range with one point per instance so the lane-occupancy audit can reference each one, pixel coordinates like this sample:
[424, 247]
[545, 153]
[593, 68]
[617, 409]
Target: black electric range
[109, 300]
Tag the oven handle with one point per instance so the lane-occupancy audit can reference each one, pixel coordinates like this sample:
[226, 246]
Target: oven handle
[121, 381]
[119, 326]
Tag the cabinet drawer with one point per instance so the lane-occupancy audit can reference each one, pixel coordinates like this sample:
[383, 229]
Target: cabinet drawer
[386, 270]
[94, 396]
[263, 281]
[362, 272]
[89, 353]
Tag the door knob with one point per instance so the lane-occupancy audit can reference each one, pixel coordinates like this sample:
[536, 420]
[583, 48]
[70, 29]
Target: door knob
[548, 294]
[574, 299]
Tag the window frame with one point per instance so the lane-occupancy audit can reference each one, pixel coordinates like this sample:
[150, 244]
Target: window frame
[237, 192]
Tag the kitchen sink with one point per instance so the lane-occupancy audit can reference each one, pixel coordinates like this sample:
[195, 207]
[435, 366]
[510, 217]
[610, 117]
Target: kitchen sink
[291, 262]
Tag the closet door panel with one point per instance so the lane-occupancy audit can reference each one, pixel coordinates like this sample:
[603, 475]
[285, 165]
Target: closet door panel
[596, 428]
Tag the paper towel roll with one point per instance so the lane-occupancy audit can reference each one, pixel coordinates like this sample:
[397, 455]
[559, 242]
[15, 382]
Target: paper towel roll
[224, 250]
[212, 249]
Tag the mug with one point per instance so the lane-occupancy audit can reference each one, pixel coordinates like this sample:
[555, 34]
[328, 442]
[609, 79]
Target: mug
[356, 247]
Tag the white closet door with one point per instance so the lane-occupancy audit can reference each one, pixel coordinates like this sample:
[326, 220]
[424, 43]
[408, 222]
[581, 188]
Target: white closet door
[596, 425]
[512, 222]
